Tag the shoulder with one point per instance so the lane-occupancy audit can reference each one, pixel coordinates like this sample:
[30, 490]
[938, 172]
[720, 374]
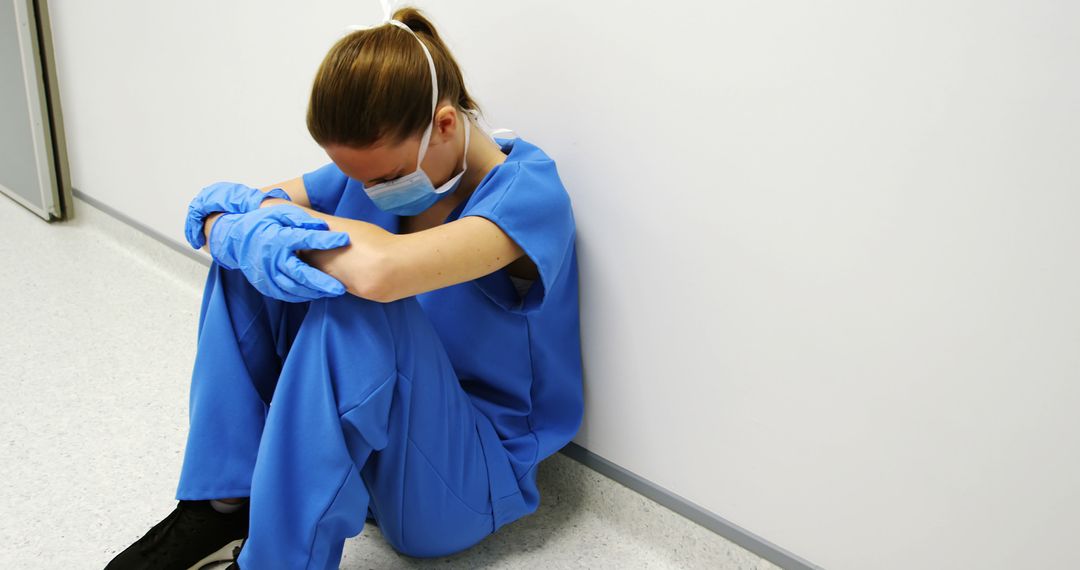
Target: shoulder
[528, 179]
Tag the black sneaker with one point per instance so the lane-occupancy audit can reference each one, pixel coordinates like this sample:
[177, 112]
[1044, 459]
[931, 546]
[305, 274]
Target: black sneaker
[236, 554]
[192, 536]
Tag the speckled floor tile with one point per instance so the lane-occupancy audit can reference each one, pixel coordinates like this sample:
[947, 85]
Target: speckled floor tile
[98, 342]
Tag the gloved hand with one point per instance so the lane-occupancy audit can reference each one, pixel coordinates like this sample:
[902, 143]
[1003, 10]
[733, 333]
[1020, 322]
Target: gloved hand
[230, 197]
[263, 242]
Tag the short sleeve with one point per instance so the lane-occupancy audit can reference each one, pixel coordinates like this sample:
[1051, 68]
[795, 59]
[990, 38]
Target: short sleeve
[527, 200]
[324, 187]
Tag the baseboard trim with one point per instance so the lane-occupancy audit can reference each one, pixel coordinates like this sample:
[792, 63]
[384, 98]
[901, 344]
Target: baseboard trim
[654, 492]
[187, 251]
[695, 513]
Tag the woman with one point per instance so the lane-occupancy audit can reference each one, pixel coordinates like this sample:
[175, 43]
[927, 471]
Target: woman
[372, 343]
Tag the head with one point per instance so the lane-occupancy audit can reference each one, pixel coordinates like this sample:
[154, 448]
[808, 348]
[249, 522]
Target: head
[371, 102]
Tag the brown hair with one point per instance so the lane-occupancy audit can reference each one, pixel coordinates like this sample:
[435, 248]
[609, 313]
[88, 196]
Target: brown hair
[375, 83]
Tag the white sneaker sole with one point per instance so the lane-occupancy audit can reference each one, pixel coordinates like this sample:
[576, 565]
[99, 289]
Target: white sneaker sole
[223, 554]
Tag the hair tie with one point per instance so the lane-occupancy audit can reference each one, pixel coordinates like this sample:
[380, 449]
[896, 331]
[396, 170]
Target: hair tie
[427, 54]
[386, 19]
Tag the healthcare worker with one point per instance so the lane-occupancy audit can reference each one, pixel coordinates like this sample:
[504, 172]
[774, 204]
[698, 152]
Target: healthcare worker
[391, 338]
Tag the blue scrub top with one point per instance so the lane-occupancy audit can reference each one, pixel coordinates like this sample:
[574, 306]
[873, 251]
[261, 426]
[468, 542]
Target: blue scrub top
[518, 357]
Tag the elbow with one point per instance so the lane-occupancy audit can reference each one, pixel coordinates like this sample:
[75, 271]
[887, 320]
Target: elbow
[374, 291]
[373, 281]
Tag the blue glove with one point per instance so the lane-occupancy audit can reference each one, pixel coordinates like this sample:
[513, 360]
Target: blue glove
[229, 197]
[263, 242]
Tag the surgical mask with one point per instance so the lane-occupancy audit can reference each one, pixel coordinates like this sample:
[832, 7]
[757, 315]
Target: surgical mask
[413, 193]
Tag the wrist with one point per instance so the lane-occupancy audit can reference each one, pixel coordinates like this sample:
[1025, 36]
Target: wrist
[273, 202]
[276, 193]
[207, 226]
[215, 239]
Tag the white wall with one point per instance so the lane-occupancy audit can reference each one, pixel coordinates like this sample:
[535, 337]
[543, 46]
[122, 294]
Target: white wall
[828, 249]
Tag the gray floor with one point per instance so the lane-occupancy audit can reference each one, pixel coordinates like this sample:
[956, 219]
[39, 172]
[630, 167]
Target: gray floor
[96, 349]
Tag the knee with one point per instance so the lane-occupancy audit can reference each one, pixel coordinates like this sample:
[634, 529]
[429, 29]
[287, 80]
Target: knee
[351, 334]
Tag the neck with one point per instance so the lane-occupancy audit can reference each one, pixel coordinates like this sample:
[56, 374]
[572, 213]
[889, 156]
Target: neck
[483, 155]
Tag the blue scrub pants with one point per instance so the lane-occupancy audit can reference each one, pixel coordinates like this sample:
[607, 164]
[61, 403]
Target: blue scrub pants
[325, 411]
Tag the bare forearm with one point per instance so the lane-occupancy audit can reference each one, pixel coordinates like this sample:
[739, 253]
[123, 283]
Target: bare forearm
[359, 265]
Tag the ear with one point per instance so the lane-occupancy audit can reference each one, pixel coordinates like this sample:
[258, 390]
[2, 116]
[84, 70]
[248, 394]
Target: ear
[447, 122]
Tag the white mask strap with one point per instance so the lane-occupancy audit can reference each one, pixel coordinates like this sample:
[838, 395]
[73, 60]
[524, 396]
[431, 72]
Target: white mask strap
[431, 68]
[464, 162]
[387, 10]
[489, 132]
[431, 65]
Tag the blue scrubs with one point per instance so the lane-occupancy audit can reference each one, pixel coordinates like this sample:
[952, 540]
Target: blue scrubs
[430, 413]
